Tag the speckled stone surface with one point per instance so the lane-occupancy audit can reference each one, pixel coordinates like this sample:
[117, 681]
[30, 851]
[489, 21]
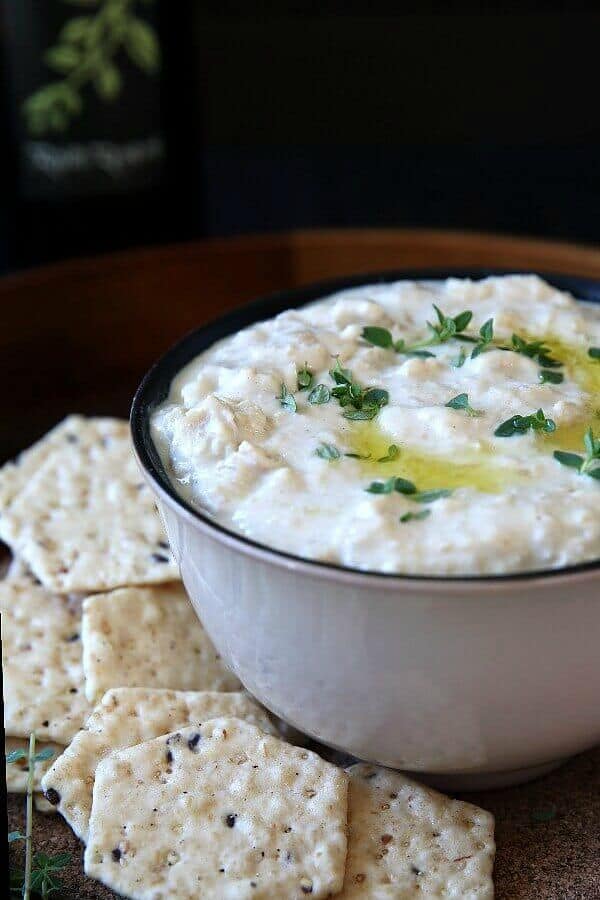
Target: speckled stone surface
[547, 832]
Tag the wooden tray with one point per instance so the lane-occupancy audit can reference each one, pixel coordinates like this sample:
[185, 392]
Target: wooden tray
[78, 336]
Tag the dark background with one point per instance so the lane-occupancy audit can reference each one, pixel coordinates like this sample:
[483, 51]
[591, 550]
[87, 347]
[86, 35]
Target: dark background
[450, 119]
[297, 115]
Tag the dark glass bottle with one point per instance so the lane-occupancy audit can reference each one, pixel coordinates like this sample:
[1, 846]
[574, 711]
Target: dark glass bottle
[102, 152]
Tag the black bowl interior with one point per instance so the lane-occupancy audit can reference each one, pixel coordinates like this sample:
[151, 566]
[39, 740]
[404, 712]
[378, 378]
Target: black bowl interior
[154, 389]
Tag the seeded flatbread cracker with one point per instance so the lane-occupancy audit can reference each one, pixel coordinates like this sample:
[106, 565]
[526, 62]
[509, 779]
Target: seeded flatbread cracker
[76, 509]
[42, 663]
[149, 637]
[218, 811]
[17, 772]
[15, 475]
[128, 716]
[408, 842]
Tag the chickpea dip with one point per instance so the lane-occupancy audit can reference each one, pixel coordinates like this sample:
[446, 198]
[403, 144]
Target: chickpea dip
[422, 428]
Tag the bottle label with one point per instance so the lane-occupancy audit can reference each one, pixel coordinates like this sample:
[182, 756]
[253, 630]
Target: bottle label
[86, 89]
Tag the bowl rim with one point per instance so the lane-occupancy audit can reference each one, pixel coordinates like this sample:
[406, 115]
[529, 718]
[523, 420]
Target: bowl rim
[154, 388]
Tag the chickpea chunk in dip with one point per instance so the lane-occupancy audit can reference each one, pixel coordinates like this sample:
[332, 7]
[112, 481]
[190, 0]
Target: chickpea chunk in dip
[419, 428]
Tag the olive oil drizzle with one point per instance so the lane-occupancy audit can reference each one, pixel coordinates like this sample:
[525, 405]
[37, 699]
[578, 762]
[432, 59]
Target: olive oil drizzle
[479, 468]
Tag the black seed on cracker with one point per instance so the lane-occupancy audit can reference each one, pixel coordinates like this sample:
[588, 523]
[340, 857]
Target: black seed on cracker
[73, 637]
[415, 870]
[163, 544]
[169, 756]
[45, 723]
[253, 884]
[306, 886]
[52, 796]
[160, 558]
[72, 438]
[116, 854]
[194, 741]
[230, 820]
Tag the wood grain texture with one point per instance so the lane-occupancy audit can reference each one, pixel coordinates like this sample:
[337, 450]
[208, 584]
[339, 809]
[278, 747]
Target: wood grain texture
[78, 336]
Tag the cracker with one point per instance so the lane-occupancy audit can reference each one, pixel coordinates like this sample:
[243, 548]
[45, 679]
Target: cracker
[42, 664]
[128, 716]
[17, 772]
[76, 509]
[149, 637]
[218, 811]
[407, 841]
[15, 474]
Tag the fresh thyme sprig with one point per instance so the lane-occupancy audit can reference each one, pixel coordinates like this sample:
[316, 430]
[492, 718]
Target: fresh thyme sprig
[594, 353]
[358, 403]
[461, 401]
[585, 465]
[521, 424]
[40, 871]
[446, 328]
[403, 486]
[537, 350]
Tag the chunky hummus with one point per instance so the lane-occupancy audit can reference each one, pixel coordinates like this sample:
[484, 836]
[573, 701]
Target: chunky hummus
[352, 431]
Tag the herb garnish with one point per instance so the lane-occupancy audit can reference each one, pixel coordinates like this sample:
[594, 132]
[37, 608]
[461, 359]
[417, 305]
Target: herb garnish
[40, 869]
[521, 424]
[403, 486]
[461, 401]
[304, 378]
[359, 403]
[358, 455]
[443, 330]
[594, 353]
[486, 336]
[415, 516]
[393, 452]
[548, 376]
[538, 350]
[287, 399]
[319, 394]
[328, 452]
[585, 465]
[459, 361]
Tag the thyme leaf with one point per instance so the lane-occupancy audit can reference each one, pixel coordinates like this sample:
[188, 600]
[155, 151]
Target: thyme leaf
[287, 399]
[585, 465]
[594, 353]
[304, 378]
[328, 452]
[415, 516]
[486, 336]
[521, 424]
[461, 401]
[319, 394]
[393, 452]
